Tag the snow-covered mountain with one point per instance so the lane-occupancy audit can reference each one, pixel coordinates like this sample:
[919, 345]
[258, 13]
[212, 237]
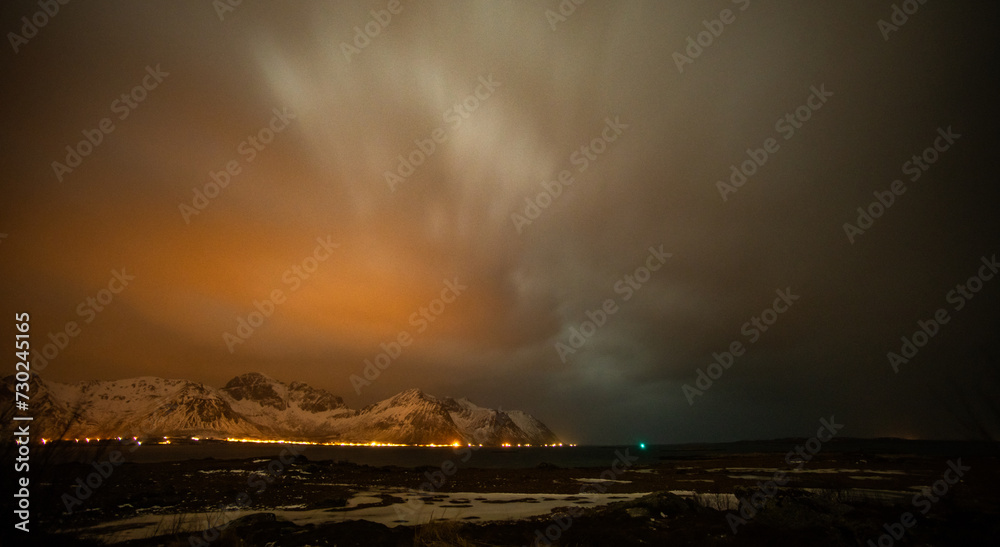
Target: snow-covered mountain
[258, 407]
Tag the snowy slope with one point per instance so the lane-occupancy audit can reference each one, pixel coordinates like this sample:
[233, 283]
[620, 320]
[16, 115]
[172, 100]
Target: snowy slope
[532, 427]
[145, 407]
[411, 417]
[255, 406]
[283, 411]
[488, 426]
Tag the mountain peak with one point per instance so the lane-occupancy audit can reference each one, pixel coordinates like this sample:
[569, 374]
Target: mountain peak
[250, 379]
[410, 395]
[256, 387]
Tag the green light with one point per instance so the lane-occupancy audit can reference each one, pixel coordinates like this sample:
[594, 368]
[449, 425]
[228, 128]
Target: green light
[642, 446]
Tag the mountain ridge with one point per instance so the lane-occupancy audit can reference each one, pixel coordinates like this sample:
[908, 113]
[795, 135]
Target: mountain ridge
[258, 407]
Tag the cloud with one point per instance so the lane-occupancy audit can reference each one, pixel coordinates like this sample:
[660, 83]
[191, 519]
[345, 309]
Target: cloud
[655, 184]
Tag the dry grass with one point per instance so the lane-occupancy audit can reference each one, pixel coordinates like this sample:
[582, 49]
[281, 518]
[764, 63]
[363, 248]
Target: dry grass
[440, 533]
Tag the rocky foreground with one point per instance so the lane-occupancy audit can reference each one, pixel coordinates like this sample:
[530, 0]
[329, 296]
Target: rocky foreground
[834, 499]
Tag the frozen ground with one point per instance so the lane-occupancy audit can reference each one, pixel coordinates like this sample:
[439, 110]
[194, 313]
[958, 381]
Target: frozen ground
[412, 508]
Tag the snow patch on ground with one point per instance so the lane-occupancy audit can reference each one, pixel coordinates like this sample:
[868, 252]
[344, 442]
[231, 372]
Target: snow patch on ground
[417, 508]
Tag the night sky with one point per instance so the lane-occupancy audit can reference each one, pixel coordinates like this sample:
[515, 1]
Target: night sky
[478, 180]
